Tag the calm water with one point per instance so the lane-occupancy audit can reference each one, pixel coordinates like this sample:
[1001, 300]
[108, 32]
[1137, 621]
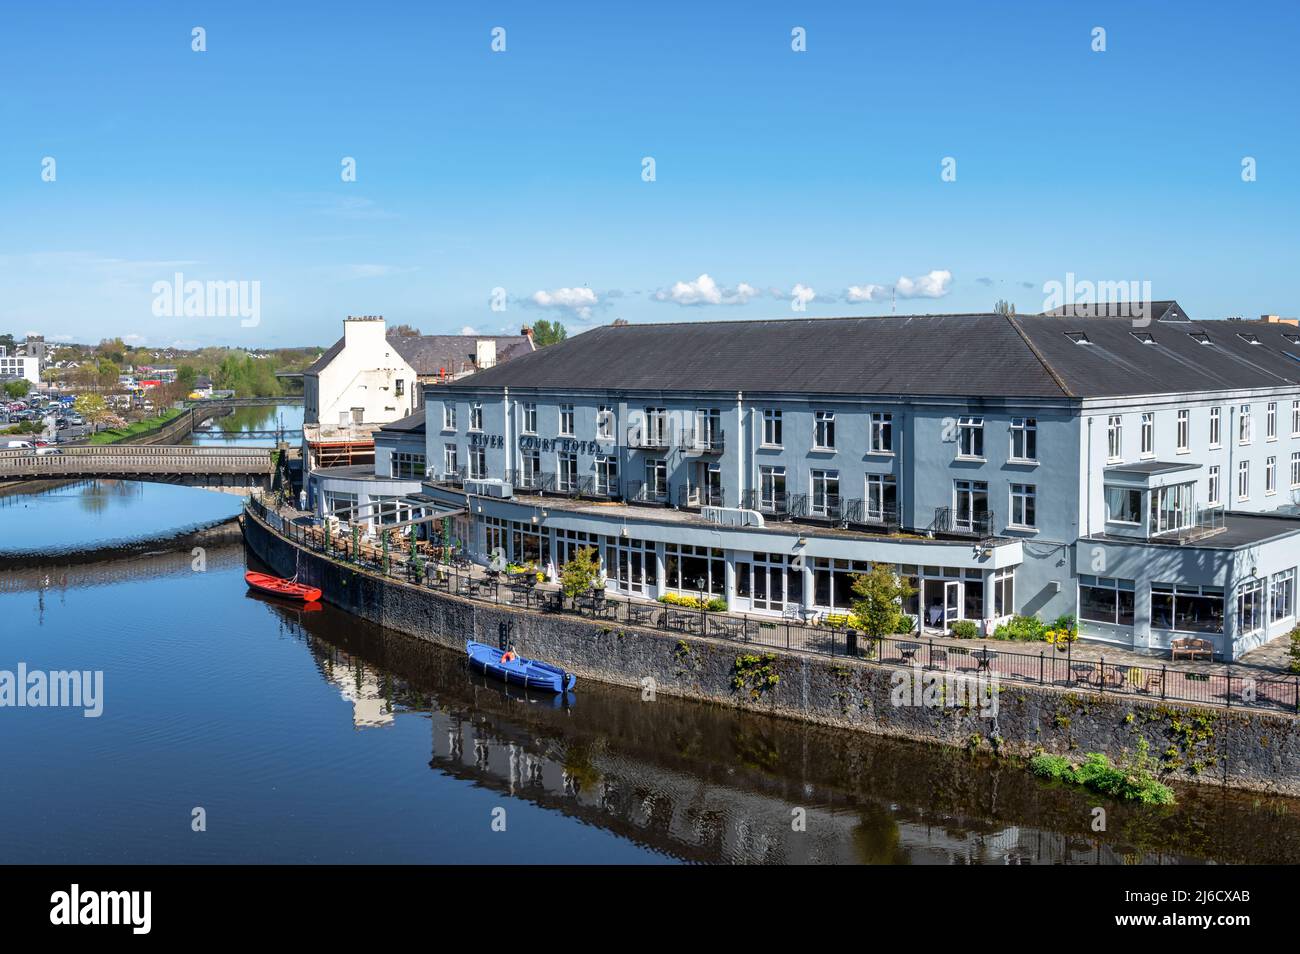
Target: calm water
[311, 736]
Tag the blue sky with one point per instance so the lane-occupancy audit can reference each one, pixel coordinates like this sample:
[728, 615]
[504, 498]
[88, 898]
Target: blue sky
[522, 170]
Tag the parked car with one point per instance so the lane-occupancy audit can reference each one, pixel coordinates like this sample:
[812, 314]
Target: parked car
[45, 451]
[18, 445]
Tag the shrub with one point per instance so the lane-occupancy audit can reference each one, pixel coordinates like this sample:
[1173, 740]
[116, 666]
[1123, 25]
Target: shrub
[1133, 779]
[714, 604]
[580, 574]
[965, 629]
[1295, 649]
[1021, 628]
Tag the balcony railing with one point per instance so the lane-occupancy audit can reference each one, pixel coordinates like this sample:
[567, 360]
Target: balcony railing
[638, 491]
[1209, 521]
[455, 477]
[640, 437]
[774, 503]
[699, 497]
[708, 440]
[968, 523]
[531, 482]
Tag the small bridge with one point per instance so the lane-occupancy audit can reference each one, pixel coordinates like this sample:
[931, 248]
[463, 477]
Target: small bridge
[286, 399]
[234, 470]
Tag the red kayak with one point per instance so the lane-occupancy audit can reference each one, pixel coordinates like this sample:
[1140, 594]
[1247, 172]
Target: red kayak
[278, 587]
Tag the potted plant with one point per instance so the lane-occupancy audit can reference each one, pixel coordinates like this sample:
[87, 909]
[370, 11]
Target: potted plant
[1061, 638]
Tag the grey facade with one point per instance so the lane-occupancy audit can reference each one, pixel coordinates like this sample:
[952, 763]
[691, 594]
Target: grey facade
[1040, 465]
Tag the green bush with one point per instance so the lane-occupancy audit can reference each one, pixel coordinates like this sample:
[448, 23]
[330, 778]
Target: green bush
[1024, 628]
[1132, 780]
[965, 629]
[1295, 649]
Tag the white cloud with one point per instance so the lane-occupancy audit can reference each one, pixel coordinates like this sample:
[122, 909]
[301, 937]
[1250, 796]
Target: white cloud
[934, 285]
[858, 293]
[705, 291]
[801, 294]
[580, 301]
[468, 330]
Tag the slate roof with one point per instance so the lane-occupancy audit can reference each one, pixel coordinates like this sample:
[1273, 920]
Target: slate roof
[411, 424]
[975, 355]
[1155, 310]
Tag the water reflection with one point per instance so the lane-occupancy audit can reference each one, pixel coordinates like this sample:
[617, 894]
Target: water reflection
[702, 784]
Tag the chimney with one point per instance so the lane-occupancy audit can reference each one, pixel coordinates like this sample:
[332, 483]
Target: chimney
[527, 332]
[362, 330]
[485, 353]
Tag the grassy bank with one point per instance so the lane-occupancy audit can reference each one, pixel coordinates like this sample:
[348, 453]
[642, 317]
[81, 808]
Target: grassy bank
[116, 434]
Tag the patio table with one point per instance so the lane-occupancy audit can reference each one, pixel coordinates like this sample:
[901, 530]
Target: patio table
[984, 659]
[908, 651]
[640, 613]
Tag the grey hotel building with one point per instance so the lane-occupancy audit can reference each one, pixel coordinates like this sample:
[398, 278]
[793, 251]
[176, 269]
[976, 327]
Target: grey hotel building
[1142, 475]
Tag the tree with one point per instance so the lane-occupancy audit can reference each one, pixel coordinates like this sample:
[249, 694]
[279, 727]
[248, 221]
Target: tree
[91, 406]
[581, 573]
[403, 331]
[1004, 307]
[548, 333]
[880, 594]
[18, 388]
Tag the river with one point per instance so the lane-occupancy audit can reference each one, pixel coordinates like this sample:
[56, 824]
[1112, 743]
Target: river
[316, 737]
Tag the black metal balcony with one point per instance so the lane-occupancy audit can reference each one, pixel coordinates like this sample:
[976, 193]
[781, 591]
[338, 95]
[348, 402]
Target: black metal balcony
[607, 487]
[692, 498]
[654, 437]
[453, 478]
[774, 503]
[863, 515]
[531, 482]
[964, 523]
[638, 491]
[708, 440]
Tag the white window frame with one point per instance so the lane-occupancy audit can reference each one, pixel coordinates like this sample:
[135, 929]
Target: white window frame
[1148, 434]
[882, 432]
[1216, 427]
[1270, 421]
[448, 416]
[1270, 476]
[1022, 430]
[568, 420]
[528, 424]
[772, 435]
[1021, 497]
[1214, 491]
[823, 428]
[1114, 438]
[476, 416]
[970, 433]
[1184, 431]
[1243, 479]
[1245, 426]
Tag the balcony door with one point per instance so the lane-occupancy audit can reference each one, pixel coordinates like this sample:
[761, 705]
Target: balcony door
[971, 504]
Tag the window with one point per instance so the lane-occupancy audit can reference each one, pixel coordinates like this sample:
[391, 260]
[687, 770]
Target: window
[708, 429]
[1114, 438]
[1250, 607]
[476, 416]
[1270, 475]
[477, 463]
[970, 437]
[1004, 593]
[882, 433]
[399, 387]
[449, 417]
[1243, 480]
[449, 464]
[1172, 508]
[656, 423]
[1244, 427]
[824, 430]
[1216, 429]
[566, 479]
[1187, 609]
[1148, 434]
[1295, 468]
[604, 423]
[1270, 421]
[970, 505]
[1124, 505]
[1106, 600]
[408, 465]
[656, 479]
[882, 497]
[1184, 430]
[771, 489]
[1281, 596]
[1024, 438]
[339, 504]
[607, 476]
[1295, 418]
[529, 425]
[695, 569]
[566, 420]
[1022, 505]
[771, 427]
[532, 468]
[1215, 492]
[826, 493]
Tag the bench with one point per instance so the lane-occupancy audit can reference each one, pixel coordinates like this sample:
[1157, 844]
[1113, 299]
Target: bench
[1191, 648]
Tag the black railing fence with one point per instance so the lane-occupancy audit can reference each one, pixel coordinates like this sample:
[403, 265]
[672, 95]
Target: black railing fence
[453, 573]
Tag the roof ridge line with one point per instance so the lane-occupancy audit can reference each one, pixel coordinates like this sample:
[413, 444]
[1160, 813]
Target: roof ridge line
[1060, 382]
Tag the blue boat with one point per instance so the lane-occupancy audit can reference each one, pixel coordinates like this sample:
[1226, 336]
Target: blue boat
[528, 673]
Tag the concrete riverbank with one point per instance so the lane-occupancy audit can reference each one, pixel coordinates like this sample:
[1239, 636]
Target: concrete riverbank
[1250, 750]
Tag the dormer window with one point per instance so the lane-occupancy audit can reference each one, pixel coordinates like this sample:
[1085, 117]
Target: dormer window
[1200, 337]
[1248, 337]
[1078, 337]
[1144, 336]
